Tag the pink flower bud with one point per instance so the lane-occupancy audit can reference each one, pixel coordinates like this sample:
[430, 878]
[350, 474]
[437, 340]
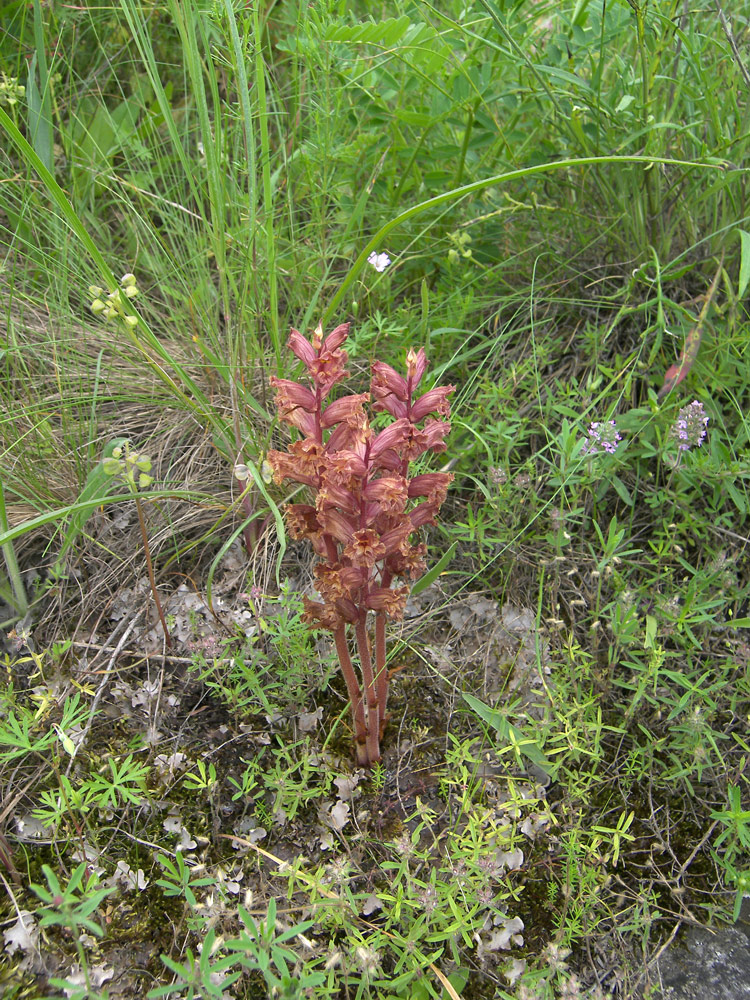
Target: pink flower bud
[336, 337]
[387, 380]
[301, 347]
[415, 366]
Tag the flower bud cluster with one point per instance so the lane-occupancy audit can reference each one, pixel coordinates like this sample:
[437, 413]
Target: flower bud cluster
[132, 466]
[366, 506]
[112, 306]
[11, 91]
[603, 436]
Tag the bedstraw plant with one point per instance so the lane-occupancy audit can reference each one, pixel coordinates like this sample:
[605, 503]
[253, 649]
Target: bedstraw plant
[364, 513]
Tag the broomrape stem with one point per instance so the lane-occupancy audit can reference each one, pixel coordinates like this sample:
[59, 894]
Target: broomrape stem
[381, 671]
[354, 691]
[373, 714]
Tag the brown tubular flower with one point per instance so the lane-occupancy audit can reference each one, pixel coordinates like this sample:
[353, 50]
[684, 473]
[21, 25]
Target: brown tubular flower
[436, 431]
[365, 508]
[301, 520]
[433, 485]
[390, 493]
[409, 561]
[365, 548]
[390, 602]
[334, 496]
[389, 390]
[302, 463]
[347, 408]
[433, 401]
[392, 438]
[317, 615]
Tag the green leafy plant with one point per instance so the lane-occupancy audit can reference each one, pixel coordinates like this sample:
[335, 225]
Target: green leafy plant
[71, 908]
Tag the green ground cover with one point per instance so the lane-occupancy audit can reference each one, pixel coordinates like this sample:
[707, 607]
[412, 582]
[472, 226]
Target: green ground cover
[555, 198]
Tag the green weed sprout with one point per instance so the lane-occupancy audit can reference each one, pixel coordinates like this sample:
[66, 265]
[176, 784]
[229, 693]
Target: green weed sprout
[133, 468]
[366, 506]
[11, 91]
[71, 907]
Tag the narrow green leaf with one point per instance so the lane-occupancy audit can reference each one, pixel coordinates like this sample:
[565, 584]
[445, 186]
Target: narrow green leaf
[432, 574]
[744, 263]
[509, 734]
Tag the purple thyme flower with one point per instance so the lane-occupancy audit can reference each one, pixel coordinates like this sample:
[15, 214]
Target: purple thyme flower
[689, 430]
[603, 436]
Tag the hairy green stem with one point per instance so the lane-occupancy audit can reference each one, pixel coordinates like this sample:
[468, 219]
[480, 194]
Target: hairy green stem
[150, 568]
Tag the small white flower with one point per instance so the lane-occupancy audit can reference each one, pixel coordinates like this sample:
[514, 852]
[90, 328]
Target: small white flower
[380, 261]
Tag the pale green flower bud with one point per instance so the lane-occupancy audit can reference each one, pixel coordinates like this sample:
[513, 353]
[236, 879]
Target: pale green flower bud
[131, 320]
[144, 481]
[130, 292]
[96, 291]
[111, 467]
[127, 280]
[97, 306]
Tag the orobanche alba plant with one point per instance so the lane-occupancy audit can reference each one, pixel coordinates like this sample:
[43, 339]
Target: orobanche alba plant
[366, 507]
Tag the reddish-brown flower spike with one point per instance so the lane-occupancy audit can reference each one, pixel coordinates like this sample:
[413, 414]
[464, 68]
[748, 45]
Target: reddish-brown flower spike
[360, 525]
